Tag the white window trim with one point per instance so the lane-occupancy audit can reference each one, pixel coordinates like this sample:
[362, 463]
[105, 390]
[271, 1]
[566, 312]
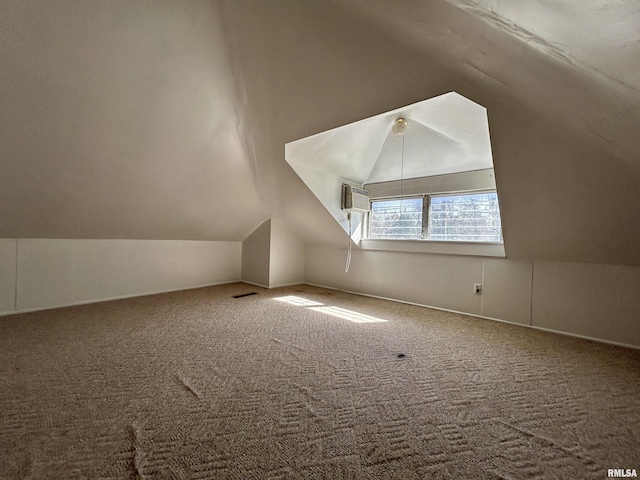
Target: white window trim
[441, 184]
[367, 223]
[479, 249]
[427, 187]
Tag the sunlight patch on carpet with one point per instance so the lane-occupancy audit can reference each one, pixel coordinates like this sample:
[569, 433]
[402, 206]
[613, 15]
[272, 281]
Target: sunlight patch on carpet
[299, 301]
[348, 314]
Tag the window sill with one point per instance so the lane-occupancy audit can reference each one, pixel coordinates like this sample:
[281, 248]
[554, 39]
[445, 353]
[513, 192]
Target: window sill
[488, 249]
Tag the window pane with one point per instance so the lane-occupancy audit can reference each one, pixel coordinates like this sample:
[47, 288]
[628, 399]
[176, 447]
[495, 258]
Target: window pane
[471, 217]
[396, 219]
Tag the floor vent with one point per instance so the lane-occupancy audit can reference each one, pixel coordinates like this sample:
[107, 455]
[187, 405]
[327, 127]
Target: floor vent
[245, 295]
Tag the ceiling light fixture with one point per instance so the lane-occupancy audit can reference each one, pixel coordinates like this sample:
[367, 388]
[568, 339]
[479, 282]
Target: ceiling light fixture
[399, 127]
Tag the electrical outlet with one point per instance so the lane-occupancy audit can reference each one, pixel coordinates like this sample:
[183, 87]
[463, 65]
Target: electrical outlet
[477, 288]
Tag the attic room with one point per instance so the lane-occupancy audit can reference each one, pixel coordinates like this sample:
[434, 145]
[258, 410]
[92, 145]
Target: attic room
[183, 295]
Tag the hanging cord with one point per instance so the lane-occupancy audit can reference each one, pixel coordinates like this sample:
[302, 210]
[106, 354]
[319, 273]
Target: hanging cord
[346, 268]
[402, 183]
[401, 177]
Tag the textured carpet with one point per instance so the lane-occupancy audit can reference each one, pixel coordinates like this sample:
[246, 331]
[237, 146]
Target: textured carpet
[197, 384]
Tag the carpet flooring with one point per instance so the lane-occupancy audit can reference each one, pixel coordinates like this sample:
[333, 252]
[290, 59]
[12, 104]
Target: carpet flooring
[198, 384]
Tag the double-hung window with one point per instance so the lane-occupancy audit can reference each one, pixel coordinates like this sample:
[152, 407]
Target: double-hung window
[460, 217]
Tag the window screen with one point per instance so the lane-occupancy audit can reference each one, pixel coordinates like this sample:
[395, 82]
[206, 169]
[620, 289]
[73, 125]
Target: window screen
[396, 219]
[470, 217]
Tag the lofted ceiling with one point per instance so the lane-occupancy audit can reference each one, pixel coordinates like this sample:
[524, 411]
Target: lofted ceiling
[445, 134]
[442, 135]
[600, 36]
[118, 120]
[168, 120]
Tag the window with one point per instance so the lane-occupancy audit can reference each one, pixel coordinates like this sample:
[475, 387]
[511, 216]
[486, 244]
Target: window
[468, 217]
[472, 218]
[396, 219]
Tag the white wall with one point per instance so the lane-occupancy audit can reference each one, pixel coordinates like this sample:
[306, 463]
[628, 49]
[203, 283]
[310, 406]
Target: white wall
[8, 252]
[506, 289]
[286, 266]
[256, 255]
[273, 256]
[590, 300]
[599, 301]
[46, 273]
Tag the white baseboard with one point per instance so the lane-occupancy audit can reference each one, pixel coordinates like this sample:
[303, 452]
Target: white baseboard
[559, 332]
[120, 297]
[273, 286]
[255, 284]
[287, 285]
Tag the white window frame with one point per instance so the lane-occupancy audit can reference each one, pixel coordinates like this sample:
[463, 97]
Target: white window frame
[406, 197]
[426, 209]
[446, 185]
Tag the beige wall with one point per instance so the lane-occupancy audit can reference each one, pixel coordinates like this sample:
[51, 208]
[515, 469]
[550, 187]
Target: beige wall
[8, 253]
[52, 273]
[599, 301]
[273, 256]
[590, 300]
[256, 252]
[286, 265]
[118, 120]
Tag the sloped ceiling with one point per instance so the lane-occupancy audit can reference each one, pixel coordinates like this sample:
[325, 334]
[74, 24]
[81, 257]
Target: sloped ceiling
[118, 120]
[563, 137]
[443, 135]
[169, 119]
[599, 35]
